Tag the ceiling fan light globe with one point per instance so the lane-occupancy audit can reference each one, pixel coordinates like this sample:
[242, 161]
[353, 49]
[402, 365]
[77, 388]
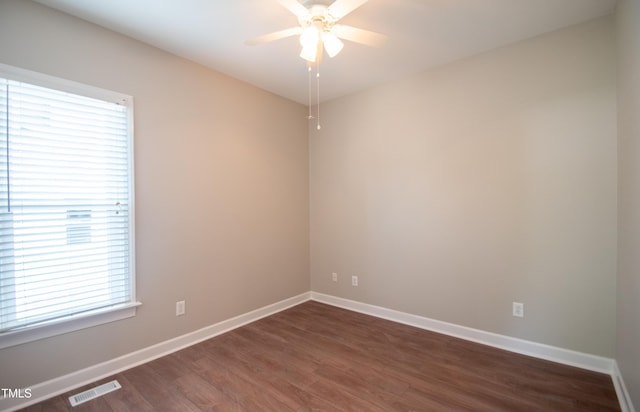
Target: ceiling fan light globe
[309, 37]
[309, 52]
[332, 44]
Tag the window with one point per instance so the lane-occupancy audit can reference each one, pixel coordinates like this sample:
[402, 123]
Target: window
[66, 210]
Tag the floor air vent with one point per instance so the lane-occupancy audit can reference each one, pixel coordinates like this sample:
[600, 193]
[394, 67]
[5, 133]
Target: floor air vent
[96, 392]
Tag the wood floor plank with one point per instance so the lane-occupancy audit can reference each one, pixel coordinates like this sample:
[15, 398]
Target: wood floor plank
[122, 399]
[315, 357]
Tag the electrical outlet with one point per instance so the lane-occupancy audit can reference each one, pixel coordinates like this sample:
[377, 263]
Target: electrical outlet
[180, 308]
[334, 276]
[354, 280]
[518, 309]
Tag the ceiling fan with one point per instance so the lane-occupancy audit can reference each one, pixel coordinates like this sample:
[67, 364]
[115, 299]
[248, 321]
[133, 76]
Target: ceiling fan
[318, 28]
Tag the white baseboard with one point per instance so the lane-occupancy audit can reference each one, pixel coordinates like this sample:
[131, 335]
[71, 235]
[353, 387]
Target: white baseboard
[54, 387]
[538, 350]
[621, 390]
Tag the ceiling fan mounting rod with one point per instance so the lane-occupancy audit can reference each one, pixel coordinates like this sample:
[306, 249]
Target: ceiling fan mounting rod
[309, 3]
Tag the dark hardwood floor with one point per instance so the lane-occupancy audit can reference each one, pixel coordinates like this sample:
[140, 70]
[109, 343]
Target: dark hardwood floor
[321, 358]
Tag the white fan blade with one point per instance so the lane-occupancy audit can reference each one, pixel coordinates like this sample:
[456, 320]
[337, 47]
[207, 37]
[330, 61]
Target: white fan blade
[294, 7]
[354, 34]
[277, 35]
[341, 8]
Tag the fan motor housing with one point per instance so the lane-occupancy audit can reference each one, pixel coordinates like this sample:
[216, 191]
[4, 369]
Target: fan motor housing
[318, 13]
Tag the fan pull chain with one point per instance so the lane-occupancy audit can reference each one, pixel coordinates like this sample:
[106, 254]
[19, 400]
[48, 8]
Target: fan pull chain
[318, 97]
[309, 116]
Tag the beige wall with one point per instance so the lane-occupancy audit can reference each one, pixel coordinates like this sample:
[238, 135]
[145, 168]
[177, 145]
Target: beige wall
[628, 348]
[456, 191]
[221, 188]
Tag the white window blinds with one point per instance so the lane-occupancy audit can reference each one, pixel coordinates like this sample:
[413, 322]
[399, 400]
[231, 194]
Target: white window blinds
[65, 204]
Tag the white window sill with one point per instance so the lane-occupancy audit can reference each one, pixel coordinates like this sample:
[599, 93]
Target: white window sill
[69, 324]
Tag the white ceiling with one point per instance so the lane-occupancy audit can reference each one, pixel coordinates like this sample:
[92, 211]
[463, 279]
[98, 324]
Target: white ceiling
[422, 34]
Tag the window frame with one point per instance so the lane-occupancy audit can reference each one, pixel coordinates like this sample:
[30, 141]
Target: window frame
[99, 316]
